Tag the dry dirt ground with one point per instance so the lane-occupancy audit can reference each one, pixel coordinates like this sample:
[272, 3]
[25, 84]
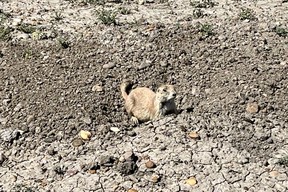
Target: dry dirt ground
[61, 63]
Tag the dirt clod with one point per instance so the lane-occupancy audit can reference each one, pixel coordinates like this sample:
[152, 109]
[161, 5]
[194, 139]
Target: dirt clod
[150, 164]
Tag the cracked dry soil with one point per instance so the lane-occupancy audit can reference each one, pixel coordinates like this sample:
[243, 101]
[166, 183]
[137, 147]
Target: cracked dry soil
[232, 90]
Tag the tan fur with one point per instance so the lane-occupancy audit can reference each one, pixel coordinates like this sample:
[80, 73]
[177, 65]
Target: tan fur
[142, 104]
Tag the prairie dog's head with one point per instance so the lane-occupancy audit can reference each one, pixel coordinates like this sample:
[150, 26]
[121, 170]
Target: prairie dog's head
[166, 93]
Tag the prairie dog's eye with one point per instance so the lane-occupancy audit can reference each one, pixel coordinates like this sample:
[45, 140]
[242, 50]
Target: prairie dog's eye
[164, 89]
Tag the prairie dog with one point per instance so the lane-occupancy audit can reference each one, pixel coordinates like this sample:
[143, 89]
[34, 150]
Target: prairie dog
[142, 104]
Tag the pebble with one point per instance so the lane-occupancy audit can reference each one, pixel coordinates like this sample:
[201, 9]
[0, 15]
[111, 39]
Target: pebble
[9, 135]
[150, 164]
[191, 181]
[86, 135]
[132, 190]
[97, 88]
[77, 142]
[144, 65]
[92, 171]
[193, 135]
[109, 65]
[18, 107]
[3, 121]
[6, 101]
[155, 178]
[106, 161]
[86, 120]
[131, 133]
[16, 22]
[128, 156]
[22, 36]
[51, 152]
[252, 108]
[38, 130]
[30, 118]
[115, 129]
[274, 173]
[127, 167]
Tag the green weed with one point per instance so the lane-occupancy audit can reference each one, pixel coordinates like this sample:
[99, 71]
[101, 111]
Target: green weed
[283, 161]
[64, 43]
[107, 17]
[5, 33]
[247, 13]
[203, 3]
[281, 31]
[26, 28]
[206, 29]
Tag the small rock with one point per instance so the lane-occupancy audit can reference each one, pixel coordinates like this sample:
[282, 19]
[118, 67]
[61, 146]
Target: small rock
[141, 2]
[131, 133]
[38, 130]
[51, 152]
[92, 171]
[191, 181]
[150, 164]
[115, 129]
[8, 135]
[132, 190]
[16, 22]
[144, 65]
[274, 173]
[128, 156]
[97, 88]
[109, 65]
[77, 142]
[193, 135]
[85, 135]
[163, 64]
[252, 108]
[86, 120]
[6, 101]
[128, 167]
[3, 121]
[18, 107]
[155, 178]
[106, 161]
[22, 36]
[30, 118]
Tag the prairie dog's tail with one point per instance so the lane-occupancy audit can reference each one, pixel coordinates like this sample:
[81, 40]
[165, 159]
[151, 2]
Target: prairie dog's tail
[125, 88]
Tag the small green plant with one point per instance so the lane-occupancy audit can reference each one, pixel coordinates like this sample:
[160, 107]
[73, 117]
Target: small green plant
[64, 43]
[281, 31]
[247, 13]
[124, 11]
[107, 17]
[203, 3]
[283, 161]
[5, 33]
[206, 29]
[26, 28]
[3, 16]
